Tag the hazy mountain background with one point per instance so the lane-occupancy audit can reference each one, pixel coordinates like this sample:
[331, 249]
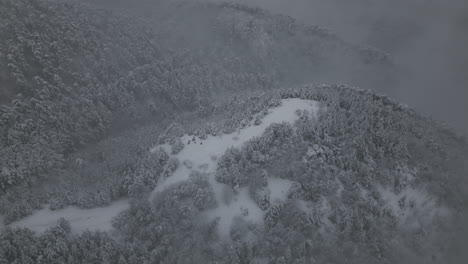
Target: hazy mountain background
[426, 38]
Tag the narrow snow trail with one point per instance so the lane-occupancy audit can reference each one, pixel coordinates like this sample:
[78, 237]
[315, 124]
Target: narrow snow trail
[80, 219]
[202, 155]
[278, 188]
[199, 155]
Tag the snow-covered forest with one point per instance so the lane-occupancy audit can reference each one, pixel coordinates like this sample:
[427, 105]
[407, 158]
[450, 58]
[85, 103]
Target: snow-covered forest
[214, 132]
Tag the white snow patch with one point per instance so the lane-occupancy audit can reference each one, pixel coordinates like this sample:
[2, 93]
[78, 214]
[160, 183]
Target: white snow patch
[278, 189]
[95, 219]
[242, 204]
[205, 153]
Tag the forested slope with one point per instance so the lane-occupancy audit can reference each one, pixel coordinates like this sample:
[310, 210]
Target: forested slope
[67, 70]
[86, 95]
[280, 48]
[70, 73]
[372, 182]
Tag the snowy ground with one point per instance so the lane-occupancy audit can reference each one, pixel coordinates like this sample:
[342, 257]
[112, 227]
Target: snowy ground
[80, 219]
[202, 155]
[198, 155]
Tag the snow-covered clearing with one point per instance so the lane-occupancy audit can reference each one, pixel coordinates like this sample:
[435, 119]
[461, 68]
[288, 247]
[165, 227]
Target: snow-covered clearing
[95, 219]
[199, 155]
[202, 155]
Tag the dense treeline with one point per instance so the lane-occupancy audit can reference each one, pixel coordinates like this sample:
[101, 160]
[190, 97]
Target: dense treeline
[362, 143]
[69, 70]
[58, 245]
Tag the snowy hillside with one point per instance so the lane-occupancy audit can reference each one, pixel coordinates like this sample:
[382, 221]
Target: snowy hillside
[201, 154]
[196, 132]
[96, 219]
[196, 154]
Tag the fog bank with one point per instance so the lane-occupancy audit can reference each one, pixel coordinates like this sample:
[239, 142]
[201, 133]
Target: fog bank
[427, 39]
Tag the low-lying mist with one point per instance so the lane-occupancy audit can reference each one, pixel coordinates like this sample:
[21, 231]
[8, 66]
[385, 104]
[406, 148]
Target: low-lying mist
[427, 39]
